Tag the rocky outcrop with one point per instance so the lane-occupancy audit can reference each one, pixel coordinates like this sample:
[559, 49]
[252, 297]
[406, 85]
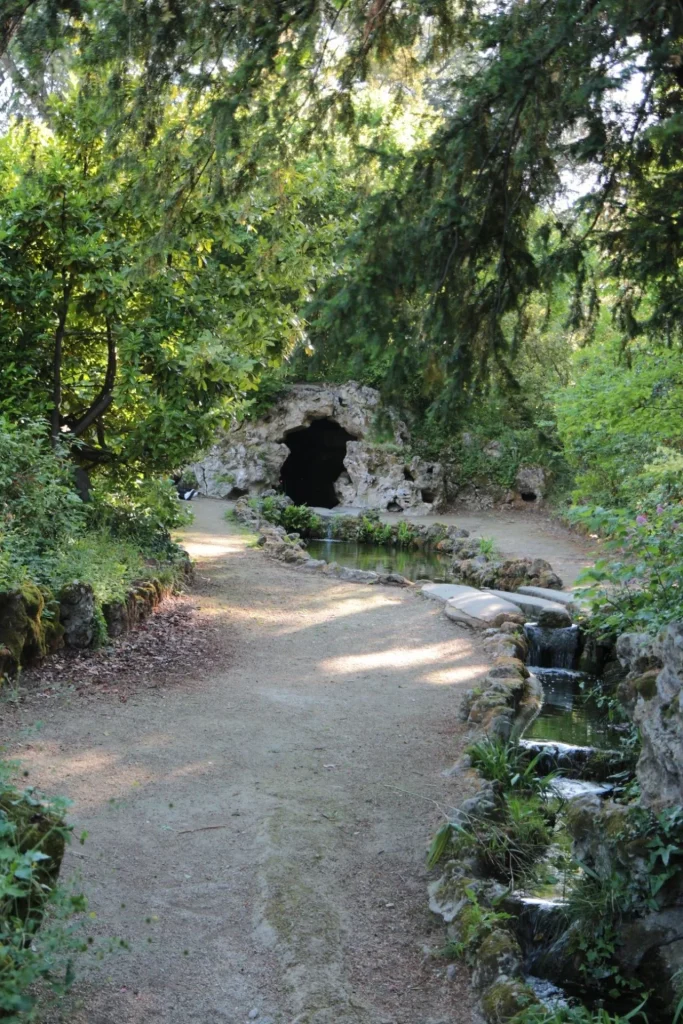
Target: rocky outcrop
[658, 713]
[250, 457]
[375, 477]
[491, 573]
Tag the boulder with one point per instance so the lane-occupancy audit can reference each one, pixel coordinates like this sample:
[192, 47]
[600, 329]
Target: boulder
[29, 628]
[499, 954]
[505, 999]
[508, 575]
[637, 653]
[530, 482]
[77, 614]
[481, 610]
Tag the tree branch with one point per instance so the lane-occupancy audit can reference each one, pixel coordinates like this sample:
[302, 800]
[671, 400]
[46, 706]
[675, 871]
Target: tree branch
[106, 396]
[56, 420]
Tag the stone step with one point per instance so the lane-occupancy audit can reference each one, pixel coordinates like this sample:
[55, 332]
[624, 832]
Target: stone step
[537, 607]
[446, 591]
[555, 596]
[481, 609]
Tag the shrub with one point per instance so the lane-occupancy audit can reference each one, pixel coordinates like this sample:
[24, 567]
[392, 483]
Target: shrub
[507, 846]
[144, 513]
[39, 508]
[640, 587]
[541, 1014]
[301, 519]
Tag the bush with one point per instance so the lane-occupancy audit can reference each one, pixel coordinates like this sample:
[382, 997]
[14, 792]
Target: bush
[39, 507]
[144, 513]
[640, 587]
[507, 847]
[38, 938]
[301, 519]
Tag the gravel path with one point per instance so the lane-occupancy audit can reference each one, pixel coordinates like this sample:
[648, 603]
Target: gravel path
[257, 828]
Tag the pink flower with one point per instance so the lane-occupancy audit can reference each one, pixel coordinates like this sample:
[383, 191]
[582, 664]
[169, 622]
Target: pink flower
[641, 520]
[660, 509]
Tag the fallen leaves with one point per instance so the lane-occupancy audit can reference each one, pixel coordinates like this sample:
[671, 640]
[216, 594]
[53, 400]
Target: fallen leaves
[172, 644]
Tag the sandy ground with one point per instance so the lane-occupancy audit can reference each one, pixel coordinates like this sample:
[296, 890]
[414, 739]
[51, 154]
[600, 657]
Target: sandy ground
[257, 831]
[258, 827]
[523, 531]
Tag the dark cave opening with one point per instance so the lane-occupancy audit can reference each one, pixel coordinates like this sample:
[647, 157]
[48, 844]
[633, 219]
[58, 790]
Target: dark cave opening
[315, 462]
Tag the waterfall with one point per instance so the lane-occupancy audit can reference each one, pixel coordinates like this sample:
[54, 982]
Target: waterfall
[329, 527]
[552, 648]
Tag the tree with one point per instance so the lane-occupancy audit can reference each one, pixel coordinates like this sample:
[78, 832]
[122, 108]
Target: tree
[132, 338]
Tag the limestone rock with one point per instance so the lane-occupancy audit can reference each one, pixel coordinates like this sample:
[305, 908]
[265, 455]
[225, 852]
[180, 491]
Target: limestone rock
[499, 954]
[660, 719]
[445, 592]
[378, 478]
[636, 653]
[530, 482]
[249, 458]
[548, 594]
[508, 575]
[536, 607]
[506, 998]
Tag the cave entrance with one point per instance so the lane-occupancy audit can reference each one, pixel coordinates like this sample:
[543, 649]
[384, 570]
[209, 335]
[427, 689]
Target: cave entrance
[315, 462]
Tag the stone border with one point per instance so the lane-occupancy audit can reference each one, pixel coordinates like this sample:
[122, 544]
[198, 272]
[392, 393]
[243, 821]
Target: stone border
[32, 627]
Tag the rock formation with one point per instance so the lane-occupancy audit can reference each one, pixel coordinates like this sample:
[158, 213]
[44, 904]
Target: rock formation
[316, 443]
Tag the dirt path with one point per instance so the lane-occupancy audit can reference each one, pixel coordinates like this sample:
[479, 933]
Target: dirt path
[257, 832]
[519, 531]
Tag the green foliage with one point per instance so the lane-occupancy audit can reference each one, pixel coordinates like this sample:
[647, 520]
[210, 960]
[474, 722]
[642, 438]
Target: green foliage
[475, 923]
[143, 513]
[510, 765]
[294, 518]
[301, 519]
[38, 938]
[639, 587]
[621, 425]
[39, 508]
[50, 537]
[540, 1014]
[506, 846]
[599, 903]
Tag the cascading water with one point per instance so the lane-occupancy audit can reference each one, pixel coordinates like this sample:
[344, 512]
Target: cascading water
[552, 648]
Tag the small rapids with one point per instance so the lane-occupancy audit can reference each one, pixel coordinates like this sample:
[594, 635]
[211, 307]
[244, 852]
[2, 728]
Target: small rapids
[553, 648]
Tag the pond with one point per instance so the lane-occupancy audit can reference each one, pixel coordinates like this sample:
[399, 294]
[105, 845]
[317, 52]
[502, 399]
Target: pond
[413, 563]
[568, 715]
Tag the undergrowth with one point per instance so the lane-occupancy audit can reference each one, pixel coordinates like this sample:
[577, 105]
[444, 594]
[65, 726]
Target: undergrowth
[40, 936]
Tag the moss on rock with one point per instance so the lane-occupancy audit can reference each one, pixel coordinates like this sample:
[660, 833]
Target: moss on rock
[499, 954]
[505, 998]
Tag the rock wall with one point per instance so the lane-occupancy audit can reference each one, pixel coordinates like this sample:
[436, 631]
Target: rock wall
[658, 712]
[249, 458]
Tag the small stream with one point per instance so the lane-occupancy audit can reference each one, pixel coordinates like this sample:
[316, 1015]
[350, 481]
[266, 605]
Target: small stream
[568, 715]
[414, 564]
